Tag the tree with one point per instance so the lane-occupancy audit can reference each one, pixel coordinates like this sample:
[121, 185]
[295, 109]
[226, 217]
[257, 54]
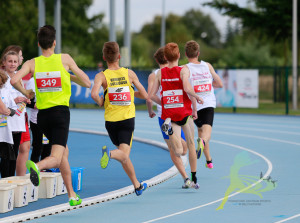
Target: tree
[272, 18]
[202, 26]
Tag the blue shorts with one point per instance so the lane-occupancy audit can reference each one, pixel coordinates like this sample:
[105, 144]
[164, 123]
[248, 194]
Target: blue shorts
[161, 121]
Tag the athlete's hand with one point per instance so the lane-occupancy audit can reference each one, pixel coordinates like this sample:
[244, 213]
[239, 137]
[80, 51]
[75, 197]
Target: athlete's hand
[101, 101]
[30, 94]
[199, 100]
[152, 114]
[195, 115]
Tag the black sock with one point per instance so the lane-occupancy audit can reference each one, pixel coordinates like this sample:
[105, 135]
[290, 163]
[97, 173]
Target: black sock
[170, 131]
[194, 178]
[208, 162]
[140, 187]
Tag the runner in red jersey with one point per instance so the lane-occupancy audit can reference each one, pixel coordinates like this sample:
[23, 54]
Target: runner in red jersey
[176, 105]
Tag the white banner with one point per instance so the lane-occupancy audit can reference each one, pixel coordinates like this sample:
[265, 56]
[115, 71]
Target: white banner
[240, 88]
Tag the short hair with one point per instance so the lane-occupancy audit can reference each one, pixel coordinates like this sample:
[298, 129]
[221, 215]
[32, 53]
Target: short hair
[3, 78]
[46, 36]
[192, 49]
[111, 51]
[171, 52]
[9, 53]
[14, 48]
[159, 56]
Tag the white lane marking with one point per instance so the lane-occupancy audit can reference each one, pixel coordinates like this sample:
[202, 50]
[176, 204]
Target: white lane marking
[258, 130]
[287, 219]
[256, 124]
[257, 137]
[270, 167]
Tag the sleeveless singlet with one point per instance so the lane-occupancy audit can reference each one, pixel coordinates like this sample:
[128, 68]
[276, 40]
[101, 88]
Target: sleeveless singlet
[119, 96]
[201, 80]
[52, 82]
[175, 101]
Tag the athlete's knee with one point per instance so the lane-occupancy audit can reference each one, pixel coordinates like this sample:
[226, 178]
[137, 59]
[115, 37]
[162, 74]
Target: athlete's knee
[125, 159]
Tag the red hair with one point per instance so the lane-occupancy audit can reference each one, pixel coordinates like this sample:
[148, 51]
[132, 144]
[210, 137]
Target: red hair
[171, 51]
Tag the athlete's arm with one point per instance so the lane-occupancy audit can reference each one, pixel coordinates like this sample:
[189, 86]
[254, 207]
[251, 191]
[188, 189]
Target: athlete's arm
[80, 78]
[217, 83]
[154, 89]
[149, 103]
[184, 75]
[194, 107]
[142, 94]
[96, 89]
[28, 67]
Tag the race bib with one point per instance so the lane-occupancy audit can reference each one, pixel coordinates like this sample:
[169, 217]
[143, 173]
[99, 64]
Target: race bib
[119, 95]
[3, 121]
[48, 81]
[173, 99]
[202, 87]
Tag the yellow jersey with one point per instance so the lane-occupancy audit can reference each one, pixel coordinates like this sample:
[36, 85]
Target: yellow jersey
[118, 96]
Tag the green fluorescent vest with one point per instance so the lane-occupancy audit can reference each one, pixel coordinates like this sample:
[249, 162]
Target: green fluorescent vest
[54, 91]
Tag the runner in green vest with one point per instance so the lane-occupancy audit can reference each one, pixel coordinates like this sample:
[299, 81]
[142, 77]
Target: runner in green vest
[53, 91]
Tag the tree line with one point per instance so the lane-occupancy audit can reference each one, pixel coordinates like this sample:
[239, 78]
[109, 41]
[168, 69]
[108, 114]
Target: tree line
[259, 34]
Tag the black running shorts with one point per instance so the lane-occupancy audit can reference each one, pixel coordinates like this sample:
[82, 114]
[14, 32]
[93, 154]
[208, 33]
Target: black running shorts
[183, 121]
[121, 131]
[54, 123]
[205, 116]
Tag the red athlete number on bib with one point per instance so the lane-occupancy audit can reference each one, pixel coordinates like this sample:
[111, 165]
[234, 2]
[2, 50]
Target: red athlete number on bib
[202, 88]
[48, 82]
[119, 96]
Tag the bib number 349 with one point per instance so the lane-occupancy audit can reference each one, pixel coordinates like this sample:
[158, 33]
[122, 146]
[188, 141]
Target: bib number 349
[48, 81]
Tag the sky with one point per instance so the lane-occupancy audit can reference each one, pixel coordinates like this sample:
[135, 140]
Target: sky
[144, 11]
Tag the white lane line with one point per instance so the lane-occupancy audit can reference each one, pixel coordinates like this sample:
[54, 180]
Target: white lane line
[257, 137]
[270, 167]
[258, 130]
[287, 219]
[257, 124]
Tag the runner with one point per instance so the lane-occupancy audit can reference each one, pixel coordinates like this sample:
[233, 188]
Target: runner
[203, 78]
[162, 62]
[119, 110]
[176, 105]
[53, 91]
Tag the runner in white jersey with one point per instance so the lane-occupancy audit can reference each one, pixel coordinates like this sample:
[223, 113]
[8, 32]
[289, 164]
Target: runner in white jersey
[162, 62]
[203, 78]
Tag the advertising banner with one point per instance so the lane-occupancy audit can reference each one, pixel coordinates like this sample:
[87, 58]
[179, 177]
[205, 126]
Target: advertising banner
[240, 88]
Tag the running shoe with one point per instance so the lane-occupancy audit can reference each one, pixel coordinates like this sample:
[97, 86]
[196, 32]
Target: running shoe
[166, 126]
[187, 183]
[209, 165]
[105, 157]
[195, 185]
[200, 147]
[139, 191]
[34, 172]
[73, 201]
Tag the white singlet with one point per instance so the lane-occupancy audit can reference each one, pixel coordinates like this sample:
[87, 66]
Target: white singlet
[201, 80]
